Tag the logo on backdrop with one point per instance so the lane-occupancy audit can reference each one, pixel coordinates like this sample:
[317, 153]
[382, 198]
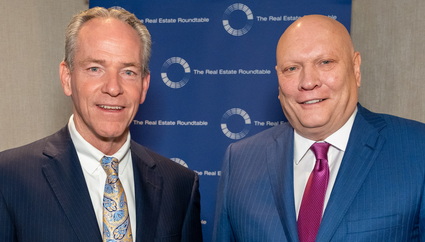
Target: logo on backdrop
[180, 161]
[231, 15]
[235, 119]
[175, 72]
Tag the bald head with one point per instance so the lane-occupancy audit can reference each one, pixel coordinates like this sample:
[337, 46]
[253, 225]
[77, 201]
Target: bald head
[310, 26]
[319, 74]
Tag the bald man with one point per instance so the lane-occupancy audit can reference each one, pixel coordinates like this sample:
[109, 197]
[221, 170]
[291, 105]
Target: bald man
[336, 171]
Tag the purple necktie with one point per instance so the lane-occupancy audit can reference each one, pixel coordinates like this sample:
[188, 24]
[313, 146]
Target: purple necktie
[311, 208]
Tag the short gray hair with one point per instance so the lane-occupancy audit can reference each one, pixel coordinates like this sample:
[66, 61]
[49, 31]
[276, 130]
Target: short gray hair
[98, 12]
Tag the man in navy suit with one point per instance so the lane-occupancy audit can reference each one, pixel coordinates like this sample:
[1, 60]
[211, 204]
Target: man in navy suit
[53, 189]
[375, 186]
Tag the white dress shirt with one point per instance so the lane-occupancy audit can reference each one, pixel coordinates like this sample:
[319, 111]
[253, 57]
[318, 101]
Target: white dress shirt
[304, 159]
[95, 176]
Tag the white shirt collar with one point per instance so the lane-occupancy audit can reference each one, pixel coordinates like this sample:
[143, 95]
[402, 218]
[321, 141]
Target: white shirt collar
[87, 152]
[339, 139]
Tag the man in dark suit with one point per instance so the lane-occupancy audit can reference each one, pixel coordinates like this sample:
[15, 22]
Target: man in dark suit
[362, 181]
[56, 190]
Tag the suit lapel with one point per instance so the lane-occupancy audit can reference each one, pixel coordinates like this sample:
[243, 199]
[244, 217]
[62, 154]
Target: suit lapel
[280, 155]
[148, 189]
[363, 147]
[64, 174]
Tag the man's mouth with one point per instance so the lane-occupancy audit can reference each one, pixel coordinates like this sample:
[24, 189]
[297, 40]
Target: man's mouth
[313, 101]
[107, 107]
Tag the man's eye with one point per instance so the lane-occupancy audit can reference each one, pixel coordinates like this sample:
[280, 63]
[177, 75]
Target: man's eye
[292, 68]
[129, 73]
[94, 69]
[325, 62]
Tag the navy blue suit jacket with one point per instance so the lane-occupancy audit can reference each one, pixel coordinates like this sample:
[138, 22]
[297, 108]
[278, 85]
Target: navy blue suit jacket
[44, 197]
[378, 194]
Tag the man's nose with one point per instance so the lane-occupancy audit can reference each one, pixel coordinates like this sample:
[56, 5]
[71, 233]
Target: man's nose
[309, 78]
[113, 85]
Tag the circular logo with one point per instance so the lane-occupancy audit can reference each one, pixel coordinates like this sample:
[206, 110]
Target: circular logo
[185, 68]
[249, 19]
[235, 112]
[180, 161]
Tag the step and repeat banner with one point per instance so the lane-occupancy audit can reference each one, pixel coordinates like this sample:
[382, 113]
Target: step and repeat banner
[212, 77]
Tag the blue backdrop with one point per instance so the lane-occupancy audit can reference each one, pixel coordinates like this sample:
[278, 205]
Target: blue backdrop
[212, 77]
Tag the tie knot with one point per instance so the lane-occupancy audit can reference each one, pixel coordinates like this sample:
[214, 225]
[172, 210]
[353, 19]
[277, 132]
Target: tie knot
[110, 165]
[320, 150]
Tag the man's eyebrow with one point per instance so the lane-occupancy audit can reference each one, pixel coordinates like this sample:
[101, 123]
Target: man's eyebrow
[131, 64]
[92, 60]
[103, 62]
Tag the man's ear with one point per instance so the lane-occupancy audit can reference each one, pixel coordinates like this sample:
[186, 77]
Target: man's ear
[145, 86]
[357, 72]
[65, 76]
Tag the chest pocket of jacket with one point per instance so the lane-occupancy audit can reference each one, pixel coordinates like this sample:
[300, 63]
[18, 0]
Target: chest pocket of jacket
[374, 224]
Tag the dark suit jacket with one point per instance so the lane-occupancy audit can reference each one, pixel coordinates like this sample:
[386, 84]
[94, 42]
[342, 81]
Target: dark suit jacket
[44, 197]
[378, 194]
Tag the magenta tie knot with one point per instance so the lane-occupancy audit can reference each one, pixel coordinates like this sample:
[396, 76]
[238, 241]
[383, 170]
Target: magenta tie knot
[320, 150]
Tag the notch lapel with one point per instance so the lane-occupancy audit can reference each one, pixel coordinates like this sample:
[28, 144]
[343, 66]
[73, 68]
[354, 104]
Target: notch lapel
[148, 192]
[362, 150]
[280, 155]
[64, 174]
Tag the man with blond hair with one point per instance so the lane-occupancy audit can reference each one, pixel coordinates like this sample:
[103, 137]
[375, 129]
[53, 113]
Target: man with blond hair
[90, 181]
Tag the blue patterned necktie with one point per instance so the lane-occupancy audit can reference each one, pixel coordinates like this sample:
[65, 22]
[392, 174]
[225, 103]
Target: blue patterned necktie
[311, 209]
[116, 220]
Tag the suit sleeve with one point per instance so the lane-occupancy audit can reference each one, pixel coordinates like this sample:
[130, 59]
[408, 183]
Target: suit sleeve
[222, 224]
[192, 229]
[422, 216]
[7, 229]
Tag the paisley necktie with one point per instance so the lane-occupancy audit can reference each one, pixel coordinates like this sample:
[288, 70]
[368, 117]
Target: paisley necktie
[116, 220]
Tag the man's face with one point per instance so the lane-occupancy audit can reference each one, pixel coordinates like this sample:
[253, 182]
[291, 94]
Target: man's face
[319, 76]
[106, 84]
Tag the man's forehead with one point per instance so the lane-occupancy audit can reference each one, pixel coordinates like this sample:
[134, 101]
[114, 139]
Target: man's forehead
[313, 46]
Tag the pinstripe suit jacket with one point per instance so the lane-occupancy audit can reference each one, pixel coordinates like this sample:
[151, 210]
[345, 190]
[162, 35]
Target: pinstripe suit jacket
[44, 197]
[378, 194]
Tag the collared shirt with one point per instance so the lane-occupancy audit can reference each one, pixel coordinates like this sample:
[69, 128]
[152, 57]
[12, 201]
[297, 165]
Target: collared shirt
[304, 159]
[95, 176]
